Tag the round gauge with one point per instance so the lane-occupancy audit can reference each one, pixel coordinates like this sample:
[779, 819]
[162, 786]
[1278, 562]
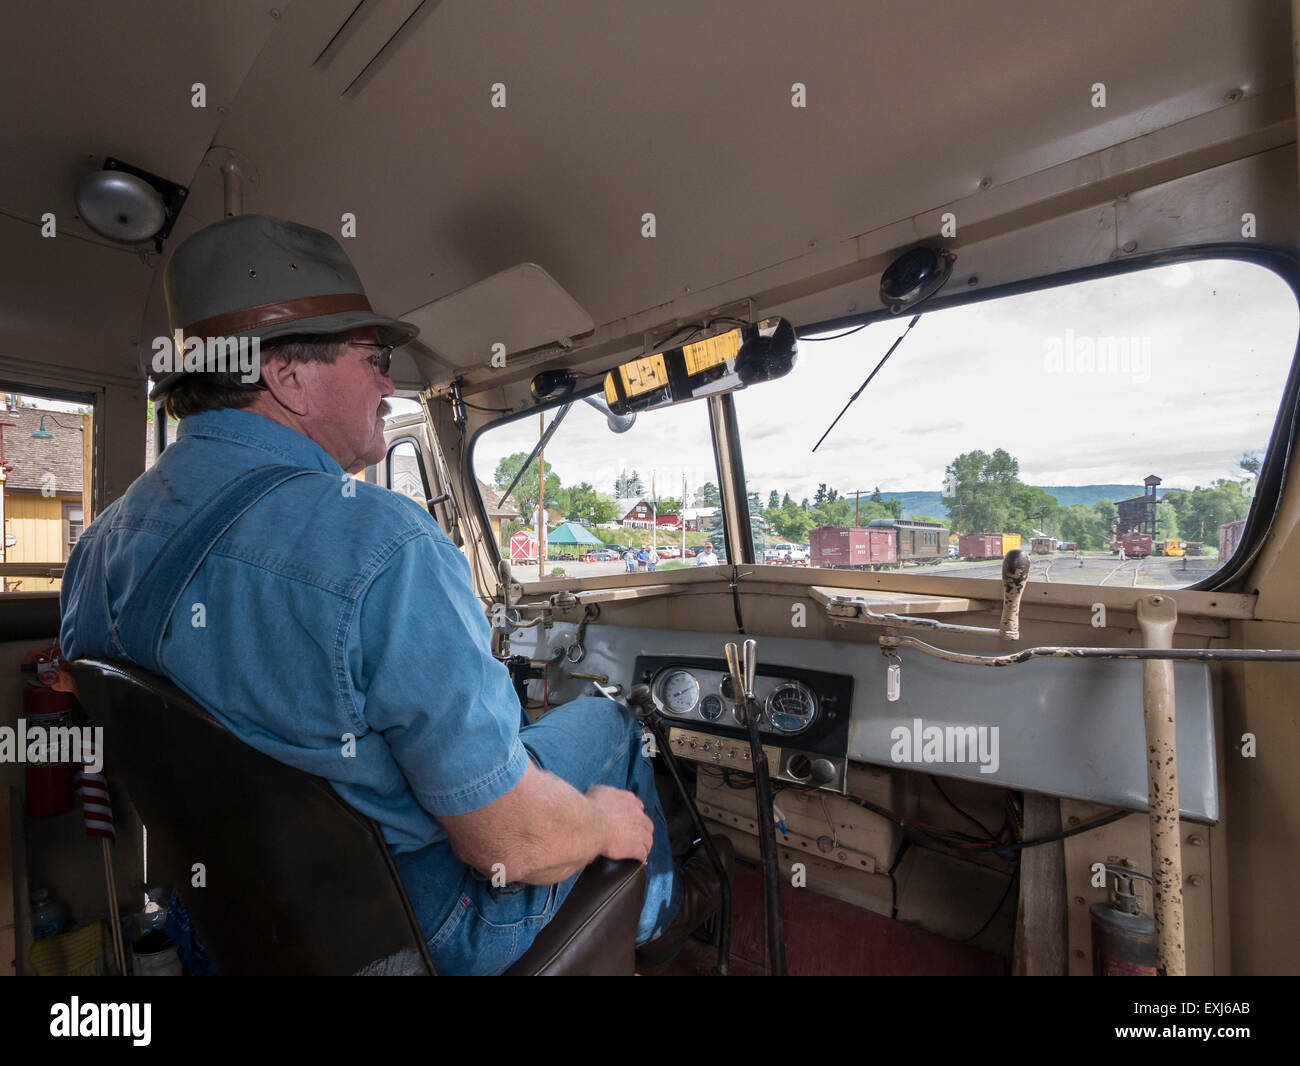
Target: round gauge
[711, 708]
[728, 689]
[791, 707]
[679, 691]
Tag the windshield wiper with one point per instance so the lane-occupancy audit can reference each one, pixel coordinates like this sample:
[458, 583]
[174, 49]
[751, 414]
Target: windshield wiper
[915, 320]
[541, 443]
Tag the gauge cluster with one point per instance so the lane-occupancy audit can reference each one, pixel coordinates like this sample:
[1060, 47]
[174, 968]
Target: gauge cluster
[809, 708]
[786, 706]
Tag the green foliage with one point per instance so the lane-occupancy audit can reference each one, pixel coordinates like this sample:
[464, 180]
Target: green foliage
[984, 487]
[1166, 521]
[629, 485]
[708, 495]
[1031, 508]
[588, 506]
[1202, 511]
[524, 496]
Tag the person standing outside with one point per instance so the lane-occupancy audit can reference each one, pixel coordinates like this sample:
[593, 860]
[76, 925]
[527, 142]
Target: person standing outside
[707, 557]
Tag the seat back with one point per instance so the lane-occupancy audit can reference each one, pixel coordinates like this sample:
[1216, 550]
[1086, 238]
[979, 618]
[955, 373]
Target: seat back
[297, 881]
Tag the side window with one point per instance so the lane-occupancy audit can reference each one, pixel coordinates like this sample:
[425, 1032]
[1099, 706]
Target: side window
[44, 487]
[73, 523]
[405, 473]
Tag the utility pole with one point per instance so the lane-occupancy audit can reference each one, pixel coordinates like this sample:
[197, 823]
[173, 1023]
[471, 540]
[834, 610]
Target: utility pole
[681, 517]
[857, 499]
[541, 506]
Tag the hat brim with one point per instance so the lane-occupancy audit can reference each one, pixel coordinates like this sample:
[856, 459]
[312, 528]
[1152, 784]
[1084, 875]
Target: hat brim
[391, 331]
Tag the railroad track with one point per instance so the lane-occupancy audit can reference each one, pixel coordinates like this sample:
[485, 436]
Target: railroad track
[1124, 569]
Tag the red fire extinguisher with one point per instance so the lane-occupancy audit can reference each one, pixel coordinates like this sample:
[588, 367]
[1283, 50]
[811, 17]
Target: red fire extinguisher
[49, 784]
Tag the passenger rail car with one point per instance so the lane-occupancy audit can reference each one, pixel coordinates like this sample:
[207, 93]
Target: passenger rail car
[919, 543]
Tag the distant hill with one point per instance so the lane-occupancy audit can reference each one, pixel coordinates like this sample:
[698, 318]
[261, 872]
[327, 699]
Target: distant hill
[928, 503]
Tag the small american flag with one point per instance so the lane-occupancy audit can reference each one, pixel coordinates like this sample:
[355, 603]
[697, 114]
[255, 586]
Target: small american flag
[93, 790]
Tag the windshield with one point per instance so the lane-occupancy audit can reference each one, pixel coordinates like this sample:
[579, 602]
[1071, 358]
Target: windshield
[1114, 427]
[650, 490]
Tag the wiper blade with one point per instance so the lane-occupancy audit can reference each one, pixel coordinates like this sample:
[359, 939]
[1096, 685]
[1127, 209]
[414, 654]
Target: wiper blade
[541, 443]
[915, 320]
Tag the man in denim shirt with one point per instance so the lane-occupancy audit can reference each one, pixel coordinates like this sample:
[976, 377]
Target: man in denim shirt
[331, 624]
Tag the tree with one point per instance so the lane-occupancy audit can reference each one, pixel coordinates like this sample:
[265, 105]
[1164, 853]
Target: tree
[773, 499]
[627, 485]
[1031, 509]
[708, 495]
[670, 505]
[524, 496]
[792, 524]
[1166, 521]
[820, 495]
[1089, 527]
[785, 500]
[982, 491]
[585, 504]
[875, 496]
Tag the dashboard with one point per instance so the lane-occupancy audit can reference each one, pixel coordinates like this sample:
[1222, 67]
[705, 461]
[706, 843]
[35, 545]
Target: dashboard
[803, 718]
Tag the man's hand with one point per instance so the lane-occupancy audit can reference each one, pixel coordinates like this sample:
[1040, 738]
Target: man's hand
[630, 831]
[544, 830]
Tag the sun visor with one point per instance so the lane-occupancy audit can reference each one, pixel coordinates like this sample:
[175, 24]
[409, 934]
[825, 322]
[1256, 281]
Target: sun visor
[521, 308]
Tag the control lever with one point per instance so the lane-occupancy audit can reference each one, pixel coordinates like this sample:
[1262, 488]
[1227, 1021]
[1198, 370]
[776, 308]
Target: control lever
[743, 678]
[1015, 573]
[737, 673]
[642, 704]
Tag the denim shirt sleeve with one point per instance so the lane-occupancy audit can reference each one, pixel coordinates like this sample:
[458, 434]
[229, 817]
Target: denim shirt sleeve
[424, 676]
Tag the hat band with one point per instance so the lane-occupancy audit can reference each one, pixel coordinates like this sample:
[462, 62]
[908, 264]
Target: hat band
[247, 318]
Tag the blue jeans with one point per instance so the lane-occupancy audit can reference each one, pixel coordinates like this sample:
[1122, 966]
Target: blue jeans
[588, 741]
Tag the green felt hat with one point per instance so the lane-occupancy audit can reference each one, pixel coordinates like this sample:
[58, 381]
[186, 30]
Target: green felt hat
[256, 276]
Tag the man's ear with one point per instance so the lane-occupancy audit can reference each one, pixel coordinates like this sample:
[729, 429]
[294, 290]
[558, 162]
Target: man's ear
[287, 382]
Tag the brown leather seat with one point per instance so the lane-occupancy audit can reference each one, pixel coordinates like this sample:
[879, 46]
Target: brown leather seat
[297, 881]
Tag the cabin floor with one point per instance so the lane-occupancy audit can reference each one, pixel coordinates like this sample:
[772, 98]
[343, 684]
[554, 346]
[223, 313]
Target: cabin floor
[827, 937]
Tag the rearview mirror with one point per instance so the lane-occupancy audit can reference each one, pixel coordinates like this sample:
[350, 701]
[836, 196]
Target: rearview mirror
[723, 363]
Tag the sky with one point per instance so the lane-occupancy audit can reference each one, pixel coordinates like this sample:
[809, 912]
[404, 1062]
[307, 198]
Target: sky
[1175, 371]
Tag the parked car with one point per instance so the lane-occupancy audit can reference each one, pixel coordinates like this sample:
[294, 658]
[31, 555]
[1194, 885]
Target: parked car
[668, 552]
[601, 555]
[690, 553]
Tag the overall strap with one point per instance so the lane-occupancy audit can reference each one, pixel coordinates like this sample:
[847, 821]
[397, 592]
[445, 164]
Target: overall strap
[144, 617]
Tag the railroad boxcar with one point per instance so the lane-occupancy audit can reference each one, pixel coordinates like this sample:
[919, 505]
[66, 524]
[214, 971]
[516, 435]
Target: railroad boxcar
[1042, 545]
[853, 548]
[1229, 538]
[980, 546]
[1136, 545]
[1010, 542]
[918, 542]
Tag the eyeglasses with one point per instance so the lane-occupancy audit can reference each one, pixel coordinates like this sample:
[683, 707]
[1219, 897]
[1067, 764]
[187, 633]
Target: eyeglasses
[383, 357]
